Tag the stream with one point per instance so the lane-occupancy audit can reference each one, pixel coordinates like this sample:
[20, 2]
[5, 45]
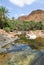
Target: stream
[20, 54]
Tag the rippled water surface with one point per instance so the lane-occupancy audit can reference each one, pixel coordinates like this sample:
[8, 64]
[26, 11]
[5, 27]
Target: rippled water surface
[21, 54]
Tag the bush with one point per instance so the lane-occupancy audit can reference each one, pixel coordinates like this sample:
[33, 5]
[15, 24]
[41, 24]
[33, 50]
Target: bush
[7, 29]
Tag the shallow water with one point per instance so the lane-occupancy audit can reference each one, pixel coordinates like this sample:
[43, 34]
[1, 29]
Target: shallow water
[21, 54]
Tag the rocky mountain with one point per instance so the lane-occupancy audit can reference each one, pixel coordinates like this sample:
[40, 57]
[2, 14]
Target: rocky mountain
[36, 15]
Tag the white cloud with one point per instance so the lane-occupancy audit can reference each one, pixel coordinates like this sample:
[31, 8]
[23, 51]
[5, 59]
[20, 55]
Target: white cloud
[21, 3]
[22, 14]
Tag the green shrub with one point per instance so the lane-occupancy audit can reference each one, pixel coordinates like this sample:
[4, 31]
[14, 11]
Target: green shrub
[7, 29]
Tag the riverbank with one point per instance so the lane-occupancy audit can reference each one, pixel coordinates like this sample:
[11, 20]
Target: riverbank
[35, 39]
[37, 33]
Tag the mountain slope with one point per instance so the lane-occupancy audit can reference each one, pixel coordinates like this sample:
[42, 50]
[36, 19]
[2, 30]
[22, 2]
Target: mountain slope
[36, 15]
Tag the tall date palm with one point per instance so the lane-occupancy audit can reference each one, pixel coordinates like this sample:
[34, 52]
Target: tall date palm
[3, 15]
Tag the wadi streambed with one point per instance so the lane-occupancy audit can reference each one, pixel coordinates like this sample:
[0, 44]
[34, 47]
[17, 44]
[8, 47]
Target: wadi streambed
[18, 53]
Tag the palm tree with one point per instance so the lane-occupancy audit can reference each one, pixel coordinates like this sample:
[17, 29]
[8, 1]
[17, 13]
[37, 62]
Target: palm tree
[3, 15]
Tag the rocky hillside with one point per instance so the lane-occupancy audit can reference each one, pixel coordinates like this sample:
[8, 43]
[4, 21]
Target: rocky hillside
[36, 15]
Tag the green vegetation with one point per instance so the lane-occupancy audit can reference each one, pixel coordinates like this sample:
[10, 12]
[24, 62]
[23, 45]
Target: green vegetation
[7, 29]
[13, 24]
[3, 16]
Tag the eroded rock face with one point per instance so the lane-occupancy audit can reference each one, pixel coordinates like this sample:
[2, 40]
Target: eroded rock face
[6, 41]
[36, 15]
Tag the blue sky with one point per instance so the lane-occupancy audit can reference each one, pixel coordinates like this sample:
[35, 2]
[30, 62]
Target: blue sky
[21, 7]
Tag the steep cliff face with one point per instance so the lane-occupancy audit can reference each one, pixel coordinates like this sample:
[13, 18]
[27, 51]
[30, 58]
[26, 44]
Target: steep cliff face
[36, 15]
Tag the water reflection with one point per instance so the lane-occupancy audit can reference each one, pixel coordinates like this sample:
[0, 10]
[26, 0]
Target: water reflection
[18, 47]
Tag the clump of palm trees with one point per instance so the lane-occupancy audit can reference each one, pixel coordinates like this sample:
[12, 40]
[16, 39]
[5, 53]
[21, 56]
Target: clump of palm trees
[12, 24]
